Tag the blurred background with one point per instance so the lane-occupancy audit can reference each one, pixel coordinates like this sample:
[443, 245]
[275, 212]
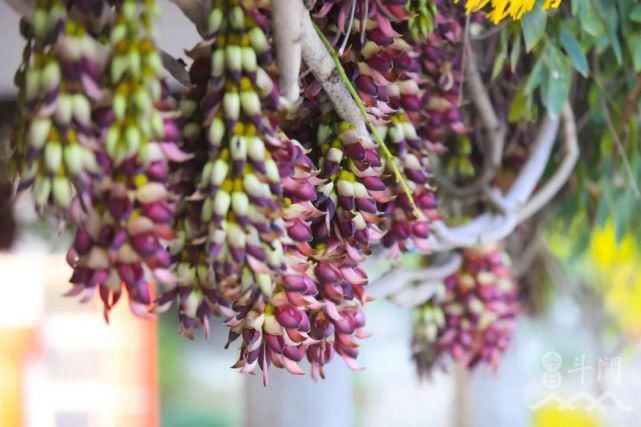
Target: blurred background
[574, 362]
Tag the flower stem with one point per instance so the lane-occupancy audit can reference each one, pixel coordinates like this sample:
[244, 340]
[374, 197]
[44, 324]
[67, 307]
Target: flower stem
[370, 125]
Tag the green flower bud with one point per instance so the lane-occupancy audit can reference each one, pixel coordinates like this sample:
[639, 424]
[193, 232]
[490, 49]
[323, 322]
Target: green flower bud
[207, 211]
[235, 235]
[41, 190]
[215, 20]
[249, 59]
[39, 132]
[222, 201]
[118, 67]
[154, 63]
[265, 284]
[53, 156]
[250, 103]
[218, 63]
[233, 58]
[133, 138]
[216, 132]
[272, 172]
[143, 101]
[40, 23]
[237, 18]
[187, 107]
[32, 84]
[256, 149]
[129, 10]
[111, 141]
[51, 76]
[119, 106]
[191, 131]
[192, 303]
[64, 109]
[118, 33]
[62, 192]
[219, 172]
[258, 40]
[240, 203]
[135, 62]
[74, 159]
[81, 109]
[238, 148]
[157, 125]
[231, 105]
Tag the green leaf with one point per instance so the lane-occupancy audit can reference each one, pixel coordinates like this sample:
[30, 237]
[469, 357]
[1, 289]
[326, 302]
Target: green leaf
[608, 13]
[533, 25]
[634, 45]
[535, 77]
[635, 14]
[574, 51]
[501, 56]
[559, 79]
[519, 107]
[515, 54]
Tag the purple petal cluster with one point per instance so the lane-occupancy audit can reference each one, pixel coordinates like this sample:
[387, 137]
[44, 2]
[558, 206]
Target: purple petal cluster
[473, 321]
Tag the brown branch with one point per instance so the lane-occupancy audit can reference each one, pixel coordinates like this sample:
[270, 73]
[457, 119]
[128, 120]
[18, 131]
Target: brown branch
[287, 16]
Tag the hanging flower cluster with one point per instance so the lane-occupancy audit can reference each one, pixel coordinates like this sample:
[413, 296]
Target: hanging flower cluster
[121, 233]
[501, 9]
[223, 204]
[472, 320]
[58, 84]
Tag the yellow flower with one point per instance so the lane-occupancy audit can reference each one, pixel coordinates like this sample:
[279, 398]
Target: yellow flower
[501, 9]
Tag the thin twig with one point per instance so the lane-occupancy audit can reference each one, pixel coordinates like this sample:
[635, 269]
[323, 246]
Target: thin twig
[396, 279]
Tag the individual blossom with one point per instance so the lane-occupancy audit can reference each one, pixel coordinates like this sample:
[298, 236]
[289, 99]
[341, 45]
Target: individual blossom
[501, 9]
[473, 321]
[120, 242]
[59, 81]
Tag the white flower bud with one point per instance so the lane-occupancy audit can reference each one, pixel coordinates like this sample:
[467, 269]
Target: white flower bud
[240, 203]
[222, 202]
[152, 192]
[250, 102]
[233, 58]
[250, 63]
[231, 105]
[219, 172]
[238, 148]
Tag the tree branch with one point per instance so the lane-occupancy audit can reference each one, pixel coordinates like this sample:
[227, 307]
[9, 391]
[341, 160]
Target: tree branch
[287, 18]
[554, 185]
[491, 227]
[395, 280]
